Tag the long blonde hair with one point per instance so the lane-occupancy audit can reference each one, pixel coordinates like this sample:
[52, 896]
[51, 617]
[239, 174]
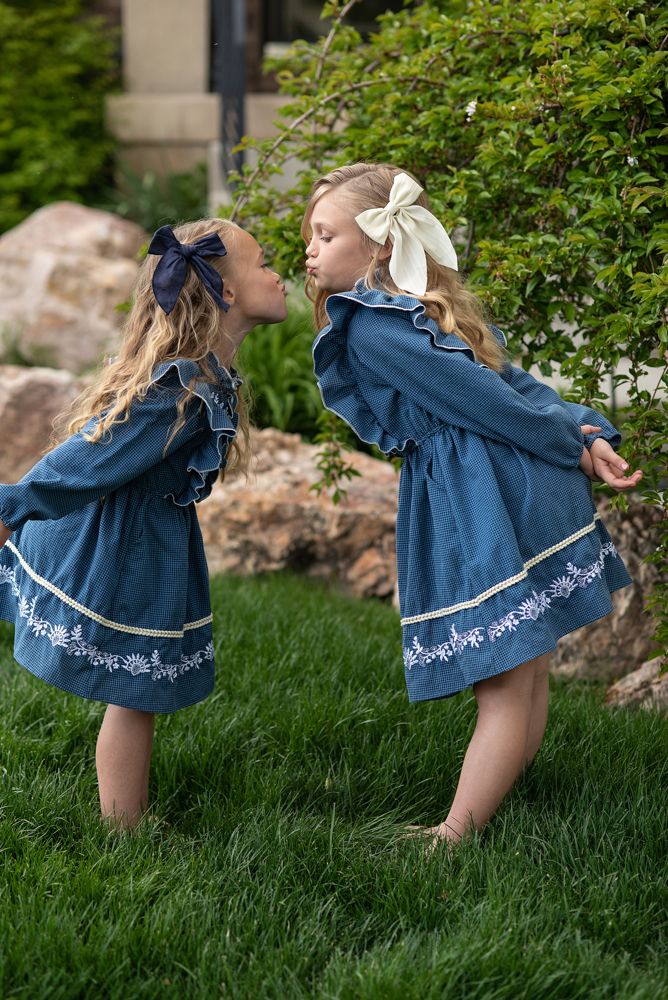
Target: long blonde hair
[150, 337]
[446, 301]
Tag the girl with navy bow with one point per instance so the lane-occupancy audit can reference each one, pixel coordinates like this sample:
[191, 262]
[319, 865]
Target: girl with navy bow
[102, 567]
[500, 549]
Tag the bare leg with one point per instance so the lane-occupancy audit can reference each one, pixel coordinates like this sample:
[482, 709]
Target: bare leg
[512, 712]
[123, 758]
[539, 702]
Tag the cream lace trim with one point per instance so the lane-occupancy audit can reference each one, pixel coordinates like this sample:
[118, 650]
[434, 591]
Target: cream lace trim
[156, 633]
[497, 588]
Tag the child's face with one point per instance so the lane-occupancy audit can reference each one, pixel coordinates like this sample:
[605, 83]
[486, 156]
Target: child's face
[336, 255]
[256, 294]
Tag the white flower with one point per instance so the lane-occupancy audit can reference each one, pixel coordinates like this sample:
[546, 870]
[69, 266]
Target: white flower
[470, 110]
[513, 108]
[632, 161]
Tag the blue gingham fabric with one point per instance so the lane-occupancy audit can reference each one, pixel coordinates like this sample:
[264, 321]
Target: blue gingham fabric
[500, 550]
[110, 597]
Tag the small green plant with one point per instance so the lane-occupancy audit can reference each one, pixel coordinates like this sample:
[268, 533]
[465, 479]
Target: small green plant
[334, 439]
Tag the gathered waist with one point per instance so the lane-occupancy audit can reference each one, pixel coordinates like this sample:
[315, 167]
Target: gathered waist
[412, 445]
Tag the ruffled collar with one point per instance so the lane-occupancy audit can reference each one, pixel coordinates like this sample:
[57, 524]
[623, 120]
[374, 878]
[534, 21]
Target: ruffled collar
[220, 402]
[374, 298]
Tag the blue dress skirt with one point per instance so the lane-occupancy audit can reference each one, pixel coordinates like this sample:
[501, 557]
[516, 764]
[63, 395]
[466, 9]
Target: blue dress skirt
[500, 550]
[104, 574]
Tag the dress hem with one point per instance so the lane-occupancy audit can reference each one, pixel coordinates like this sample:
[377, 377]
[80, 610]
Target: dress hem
[545, 643]
[119, 701]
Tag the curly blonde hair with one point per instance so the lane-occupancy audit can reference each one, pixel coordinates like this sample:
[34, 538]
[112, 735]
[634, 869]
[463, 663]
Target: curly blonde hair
[446, 301]
[150, 337]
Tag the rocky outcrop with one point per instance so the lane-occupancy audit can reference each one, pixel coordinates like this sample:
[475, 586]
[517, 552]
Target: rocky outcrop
[30, 398]
[643, 688]
[274, 521]
[614, 646]
[63, 271]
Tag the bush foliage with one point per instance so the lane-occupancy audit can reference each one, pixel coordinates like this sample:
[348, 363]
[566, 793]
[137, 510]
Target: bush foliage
[54, 73]
[152, 201]
[539, 130]
[277, 363]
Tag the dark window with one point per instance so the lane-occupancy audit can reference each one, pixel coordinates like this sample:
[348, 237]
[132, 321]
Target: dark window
[287, 20]
[277, 22]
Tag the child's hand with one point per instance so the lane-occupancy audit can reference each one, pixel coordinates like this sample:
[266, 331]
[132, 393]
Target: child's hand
[586, 463]
[4, 534]
[610, 467]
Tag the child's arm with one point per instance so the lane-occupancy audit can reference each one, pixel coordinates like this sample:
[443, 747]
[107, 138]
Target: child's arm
[599, 462]
[447, 384]
[79, 472]
[542, 394]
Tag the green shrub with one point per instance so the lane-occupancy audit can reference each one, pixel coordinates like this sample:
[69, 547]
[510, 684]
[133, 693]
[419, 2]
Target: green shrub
[277, 362]
[153, 201]
[540, 131]
[54, 73]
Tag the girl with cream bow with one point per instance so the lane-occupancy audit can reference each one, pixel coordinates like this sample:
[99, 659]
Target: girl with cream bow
[500, 550]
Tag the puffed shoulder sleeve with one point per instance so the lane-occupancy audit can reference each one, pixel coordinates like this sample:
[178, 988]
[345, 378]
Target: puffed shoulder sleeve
[439, 373]
[79, 472]
[543, 395]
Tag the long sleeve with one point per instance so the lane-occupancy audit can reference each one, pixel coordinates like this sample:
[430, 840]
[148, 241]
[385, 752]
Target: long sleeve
[457, 390]
[544, 395]
[79, 472]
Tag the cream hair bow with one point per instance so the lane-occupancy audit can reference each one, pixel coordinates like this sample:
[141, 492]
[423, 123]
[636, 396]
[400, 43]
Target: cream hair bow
[413, 231]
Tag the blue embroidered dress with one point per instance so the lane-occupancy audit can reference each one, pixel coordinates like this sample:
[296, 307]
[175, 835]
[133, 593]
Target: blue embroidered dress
[500, 550]
[111, 598]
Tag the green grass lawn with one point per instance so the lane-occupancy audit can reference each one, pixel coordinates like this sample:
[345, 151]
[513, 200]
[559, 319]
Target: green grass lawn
[277, 870]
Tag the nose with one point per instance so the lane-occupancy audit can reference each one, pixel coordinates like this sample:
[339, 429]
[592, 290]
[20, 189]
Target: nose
[312, 249]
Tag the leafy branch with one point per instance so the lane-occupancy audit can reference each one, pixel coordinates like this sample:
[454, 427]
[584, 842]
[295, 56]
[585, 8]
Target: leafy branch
[331, 461]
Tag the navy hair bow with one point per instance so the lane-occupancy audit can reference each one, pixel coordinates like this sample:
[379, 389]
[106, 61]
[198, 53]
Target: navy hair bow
[172, 269]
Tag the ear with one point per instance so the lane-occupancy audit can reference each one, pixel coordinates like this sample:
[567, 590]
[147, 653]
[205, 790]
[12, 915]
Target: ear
[228, 294]
[387, 249]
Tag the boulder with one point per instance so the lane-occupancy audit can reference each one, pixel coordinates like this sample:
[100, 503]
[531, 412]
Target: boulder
[274, 521]
[643, 688]
[612, 647]
[30, 399]
[63, 271]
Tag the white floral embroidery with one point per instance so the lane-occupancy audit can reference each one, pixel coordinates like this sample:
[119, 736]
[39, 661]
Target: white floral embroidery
[72, 640]
[224, 399]
[531, 609]
[456, 644]
[8, 575]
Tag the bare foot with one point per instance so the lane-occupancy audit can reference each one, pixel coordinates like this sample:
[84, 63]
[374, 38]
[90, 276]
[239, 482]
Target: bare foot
[437, 835]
